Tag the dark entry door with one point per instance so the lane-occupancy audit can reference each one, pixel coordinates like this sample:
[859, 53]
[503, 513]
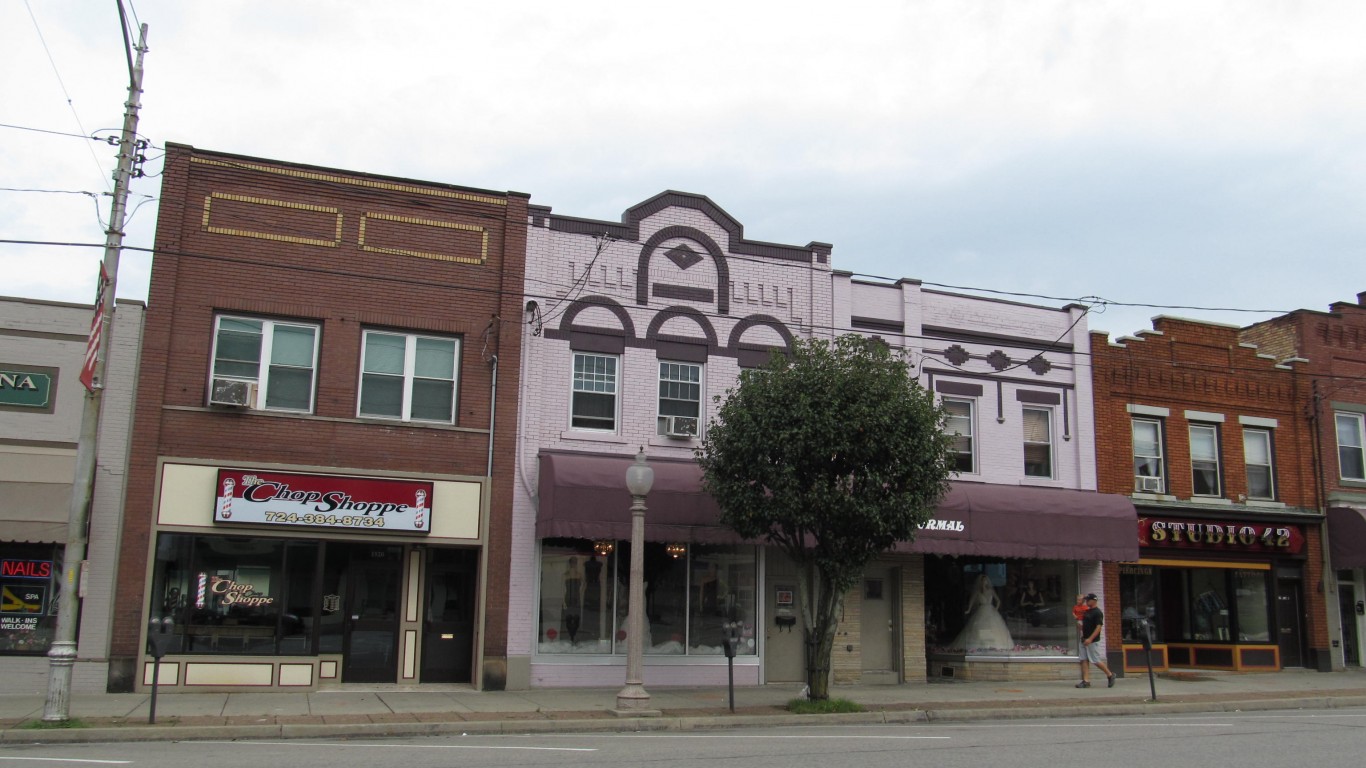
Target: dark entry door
[370, 645]
[1347, 602]
[448, 623]
[1288, 624]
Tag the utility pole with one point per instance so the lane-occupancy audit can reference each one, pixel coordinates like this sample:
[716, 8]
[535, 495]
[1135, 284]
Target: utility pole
[62, 656]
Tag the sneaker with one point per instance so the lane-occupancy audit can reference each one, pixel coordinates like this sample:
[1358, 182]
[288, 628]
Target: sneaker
[1083, 684]
[1110, 682]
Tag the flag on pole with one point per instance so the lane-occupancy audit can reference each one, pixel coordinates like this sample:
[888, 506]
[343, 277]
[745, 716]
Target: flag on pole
[92, 347]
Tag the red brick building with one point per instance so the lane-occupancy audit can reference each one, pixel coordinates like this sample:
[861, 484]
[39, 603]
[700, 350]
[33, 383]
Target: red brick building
[1333, 346]
[321, 471]
[1211, 439]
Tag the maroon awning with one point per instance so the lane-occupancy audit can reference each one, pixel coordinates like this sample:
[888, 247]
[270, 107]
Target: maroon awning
[1030, 522]
[1347, 537]
[584, 496]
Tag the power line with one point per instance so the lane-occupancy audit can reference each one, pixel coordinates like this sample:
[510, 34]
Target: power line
[69, 103]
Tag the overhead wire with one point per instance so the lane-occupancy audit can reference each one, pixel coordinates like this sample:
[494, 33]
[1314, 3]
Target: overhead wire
[37, 28]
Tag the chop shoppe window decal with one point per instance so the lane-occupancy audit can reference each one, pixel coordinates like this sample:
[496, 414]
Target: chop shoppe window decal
[323, 501]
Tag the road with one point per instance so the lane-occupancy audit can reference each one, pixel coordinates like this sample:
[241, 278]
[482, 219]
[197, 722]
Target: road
[1309, 738]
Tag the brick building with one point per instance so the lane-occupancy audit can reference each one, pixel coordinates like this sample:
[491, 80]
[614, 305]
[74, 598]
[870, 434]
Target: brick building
[1332, 346]
[1209, 436]
[634, 326]
[42, 352]
[320, 478]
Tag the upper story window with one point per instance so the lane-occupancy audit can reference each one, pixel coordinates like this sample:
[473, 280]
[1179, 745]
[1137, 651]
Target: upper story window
[960, 425]
[1148, 475]
[1038, 442]
[1205, 460]
[408, 377]
[594, 403]
[275, 363]
[680, 399]
[1351, 461]
[1261, 476]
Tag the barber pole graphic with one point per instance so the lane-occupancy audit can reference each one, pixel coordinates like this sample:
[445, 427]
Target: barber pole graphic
[420, 509]
[225, 501]
[202, 595]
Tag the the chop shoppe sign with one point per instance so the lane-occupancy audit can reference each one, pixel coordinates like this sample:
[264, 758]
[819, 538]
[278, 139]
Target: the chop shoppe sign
[323, 501]
[1162, 533]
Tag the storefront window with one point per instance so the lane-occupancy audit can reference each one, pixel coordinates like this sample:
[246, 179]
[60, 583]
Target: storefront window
[1138, 596]
[983, 607]
[30, 577]
[233, 595]
[694, 594]
[1197, 605]
[1251, 592]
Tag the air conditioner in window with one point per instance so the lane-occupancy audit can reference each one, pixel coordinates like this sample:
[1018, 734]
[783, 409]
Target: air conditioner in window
[1148, 484]
[680, 426]
[232, 392]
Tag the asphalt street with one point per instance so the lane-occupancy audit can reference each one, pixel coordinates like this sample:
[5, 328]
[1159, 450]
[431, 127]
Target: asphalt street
[1321, 738]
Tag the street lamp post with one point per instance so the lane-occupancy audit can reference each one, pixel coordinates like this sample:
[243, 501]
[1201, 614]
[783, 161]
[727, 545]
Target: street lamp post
[634, 700]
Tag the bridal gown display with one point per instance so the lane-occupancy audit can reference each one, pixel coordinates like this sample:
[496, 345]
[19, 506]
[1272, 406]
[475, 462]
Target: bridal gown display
[985, 628]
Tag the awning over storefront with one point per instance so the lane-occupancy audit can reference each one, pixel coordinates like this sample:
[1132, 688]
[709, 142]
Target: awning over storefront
[34, 512]
[584, 496]
[1347, 537]
[1029, 522]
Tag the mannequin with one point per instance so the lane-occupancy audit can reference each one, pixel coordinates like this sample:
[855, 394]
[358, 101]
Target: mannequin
[985, 629]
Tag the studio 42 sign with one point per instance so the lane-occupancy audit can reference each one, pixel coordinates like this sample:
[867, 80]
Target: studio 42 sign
[323, 501]
[1196, 534]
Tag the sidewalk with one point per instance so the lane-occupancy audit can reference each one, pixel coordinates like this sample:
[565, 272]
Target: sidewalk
[378, 711]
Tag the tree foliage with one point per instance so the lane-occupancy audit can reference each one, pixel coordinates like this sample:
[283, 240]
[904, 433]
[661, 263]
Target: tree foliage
[834, 454]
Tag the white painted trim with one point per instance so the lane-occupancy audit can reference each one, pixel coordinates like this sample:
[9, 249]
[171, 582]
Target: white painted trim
[1148, 410]
[1217, 418]
[1258, 421]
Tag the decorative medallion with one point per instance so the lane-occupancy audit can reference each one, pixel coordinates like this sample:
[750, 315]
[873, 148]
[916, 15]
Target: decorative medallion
[998, 360]
[956, 355]
[1039, 365]
[683, 257]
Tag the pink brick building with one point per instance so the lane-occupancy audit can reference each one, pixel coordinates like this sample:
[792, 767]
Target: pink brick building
[633, 327]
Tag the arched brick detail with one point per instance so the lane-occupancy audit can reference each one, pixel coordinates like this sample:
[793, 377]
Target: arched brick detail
[697, 236]
[585, 302]
[755, 320]
[665, 315]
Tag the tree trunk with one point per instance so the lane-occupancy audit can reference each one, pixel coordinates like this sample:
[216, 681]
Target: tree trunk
[821, 606]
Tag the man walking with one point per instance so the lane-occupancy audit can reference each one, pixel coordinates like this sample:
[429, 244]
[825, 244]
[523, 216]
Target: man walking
[1092, 624]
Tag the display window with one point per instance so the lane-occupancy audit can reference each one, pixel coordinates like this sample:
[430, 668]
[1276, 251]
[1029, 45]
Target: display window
[695, 596]
[1196, 605]
[30, 577]
[234, 595]
[998, 607]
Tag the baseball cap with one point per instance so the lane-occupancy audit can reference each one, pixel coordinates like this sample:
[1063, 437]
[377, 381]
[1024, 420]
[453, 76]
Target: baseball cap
[1090, 595]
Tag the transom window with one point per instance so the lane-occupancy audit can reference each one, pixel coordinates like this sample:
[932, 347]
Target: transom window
[594, 403]
[1351, 461]
[279, 358]
[408, 377]
[959, 424]
[1261, 483]
[680, 398]
[1148, 477]
[1205, 460]
[1038, 442]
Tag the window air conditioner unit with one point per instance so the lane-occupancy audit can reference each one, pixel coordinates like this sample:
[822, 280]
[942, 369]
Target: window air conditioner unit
[239, 394]
[1148, 484]
[680, 426]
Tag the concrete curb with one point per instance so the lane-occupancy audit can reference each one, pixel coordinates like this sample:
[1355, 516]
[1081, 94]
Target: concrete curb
[1017, 711]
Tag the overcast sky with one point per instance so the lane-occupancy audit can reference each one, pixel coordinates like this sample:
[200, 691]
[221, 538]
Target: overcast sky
[1189, 153]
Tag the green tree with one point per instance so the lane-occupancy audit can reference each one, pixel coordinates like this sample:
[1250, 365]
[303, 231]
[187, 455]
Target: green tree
[833, 453]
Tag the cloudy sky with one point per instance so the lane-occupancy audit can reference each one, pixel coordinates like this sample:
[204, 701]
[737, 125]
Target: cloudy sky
[1189, 154]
